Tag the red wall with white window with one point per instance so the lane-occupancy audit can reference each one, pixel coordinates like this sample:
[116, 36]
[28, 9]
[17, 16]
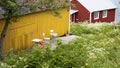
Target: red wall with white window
[110, 16]
[82, 14]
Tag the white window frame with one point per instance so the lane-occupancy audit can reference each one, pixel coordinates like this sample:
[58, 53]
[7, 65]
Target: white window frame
[96, 15]
[104, 14]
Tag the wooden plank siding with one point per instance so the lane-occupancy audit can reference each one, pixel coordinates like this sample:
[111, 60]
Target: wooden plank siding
[30, 26]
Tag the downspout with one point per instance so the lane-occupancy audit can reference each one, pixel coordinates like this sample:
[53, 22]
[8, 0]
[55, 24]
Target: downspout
[90, 19]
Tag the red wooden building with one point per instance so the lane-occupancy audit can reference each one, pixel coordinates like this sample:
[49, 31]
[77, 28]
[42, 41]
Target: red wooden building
[93, 11]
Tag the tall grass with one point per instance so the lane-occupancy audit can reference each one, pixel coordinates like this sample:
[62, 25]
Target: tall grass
[104, 38]
[96, 47]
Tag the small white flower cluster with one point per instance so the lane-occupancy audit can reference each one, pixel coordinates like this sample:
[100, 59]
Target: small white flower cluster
[97, 52]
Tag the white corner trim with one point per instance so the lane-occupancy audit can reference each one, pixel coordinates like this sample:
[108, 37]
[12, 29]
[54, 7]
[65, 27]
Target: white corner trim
[90, 19]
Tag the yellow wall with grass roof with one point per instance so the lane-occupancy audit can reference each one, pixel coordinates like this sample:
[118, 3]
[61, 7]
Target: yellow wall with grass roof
[30, 26]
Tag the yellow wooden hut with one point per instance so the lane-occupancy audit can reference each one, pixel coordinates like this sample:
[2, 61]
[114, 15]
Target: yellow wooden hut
[30, 26]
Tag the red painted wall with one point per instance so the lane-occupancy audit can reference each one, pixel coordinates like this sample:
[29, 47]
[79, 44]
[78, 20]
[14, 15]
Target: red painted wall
[83, 14]
[110, 16]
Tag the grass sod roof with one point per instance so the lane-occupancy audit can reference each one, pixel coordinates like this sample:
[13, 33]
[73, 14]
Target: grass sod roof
[31, 6]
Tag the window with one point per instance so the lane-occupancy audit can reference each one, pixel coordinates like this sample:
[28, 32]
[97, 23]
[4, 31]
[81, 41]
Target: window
[104, 14]
[96, 15]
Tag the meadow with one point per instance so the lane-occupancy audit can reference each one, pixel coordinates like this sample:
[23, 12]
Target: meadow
[98, 46]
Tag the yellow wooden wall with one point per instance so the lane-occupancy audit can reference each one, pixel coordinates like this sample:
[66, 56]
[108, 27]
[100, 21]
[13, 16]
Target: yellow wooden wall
[30, 26]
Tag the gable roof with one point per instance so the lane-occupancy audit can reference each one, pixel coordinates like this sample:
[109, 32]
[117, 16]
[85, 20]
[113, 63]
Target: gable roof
[97, 5]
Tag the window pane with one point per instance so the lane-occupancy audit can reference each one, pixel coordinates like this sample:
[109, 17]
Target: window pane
[96, 15]
[104, 14]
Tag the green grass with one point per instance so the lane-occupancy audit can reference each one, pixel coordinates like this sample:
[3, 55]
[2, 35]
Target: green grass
[98, 46]
[102, 42]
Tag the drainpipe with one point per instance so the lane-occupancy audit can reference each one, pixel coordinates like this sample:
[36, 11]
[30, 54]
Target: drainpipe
[90, 19]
